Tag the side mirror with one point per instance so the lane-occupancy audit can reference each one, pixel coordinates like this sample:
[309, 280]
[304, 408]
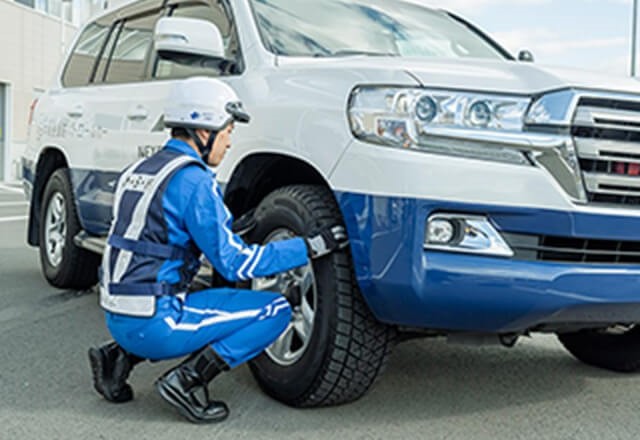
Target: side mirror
[180, 38]
[525, 56]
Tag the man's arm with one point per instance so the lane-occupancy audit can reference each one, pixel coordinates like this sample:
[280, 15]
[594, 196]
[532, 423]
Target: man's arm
[209, 223]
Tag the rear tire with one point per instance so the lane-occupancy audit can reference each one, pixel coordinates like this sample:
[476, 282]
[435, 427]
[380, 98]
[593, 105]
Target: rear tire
[64, 264]
[616, 352]
[348, 348]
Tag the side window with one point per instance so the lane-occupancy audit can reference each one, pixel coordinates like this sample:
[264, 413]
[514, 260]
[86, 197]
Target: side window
[217, 14]
[80, 65]
[126, 60]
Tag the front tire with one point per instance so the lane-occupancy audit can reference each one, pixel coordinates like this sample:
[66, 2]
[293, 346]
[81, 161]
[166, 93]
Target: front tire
[616, 349]
[64, 264]
[346, 348]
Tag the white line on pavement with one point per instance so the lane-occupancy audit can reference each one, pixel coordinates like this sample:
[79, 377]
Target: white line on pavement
[13, 219]
[11, 188]
[13, 204]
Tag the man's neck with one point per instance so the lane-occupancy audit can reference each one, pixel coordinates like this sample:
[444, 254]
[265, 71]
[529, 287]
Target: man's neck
[191, 143]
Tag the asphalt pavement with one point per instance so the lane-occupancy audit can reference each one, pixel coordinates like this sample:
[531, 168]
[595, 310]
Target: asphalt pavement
[431, 389]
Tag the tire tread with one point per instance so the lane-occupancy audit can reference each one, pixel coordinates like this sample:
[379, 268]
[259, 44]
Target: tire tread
[360, 345]
[619, 353]
[80, 265]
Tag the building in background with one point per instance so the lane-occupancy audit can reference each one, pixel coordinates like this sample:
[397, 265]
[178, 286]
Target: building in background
[34, 35]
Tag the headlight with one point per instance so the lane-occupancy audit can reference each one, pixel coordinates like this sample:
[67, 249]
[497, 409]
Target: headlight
[503, 128]
[447, 122]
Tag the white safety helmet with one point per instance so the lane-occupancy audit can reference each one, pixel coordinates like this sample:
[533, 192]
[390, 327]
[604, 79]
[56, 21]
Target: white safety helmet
[202, 102]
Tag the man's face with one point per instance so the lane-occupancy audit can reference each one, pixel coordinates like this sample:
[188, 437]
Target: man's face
[221, 144]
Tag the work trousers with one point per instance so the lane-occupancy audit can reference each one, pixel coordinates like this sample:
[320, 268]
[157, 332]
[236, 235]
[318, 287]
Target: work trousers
[238, 324]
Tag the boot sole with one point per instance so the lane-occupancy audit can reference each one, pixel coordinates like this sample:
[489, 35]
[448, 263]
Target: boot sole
[174, 400]
[96, 359]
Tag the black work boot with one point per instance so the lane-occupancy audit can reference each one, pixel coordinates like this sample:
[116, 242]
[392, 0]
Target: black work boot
[185, 387]
[111, 366]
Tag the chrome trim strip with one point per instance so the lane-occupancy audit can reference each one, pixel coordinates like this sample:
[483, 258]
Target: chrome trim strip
[553, 152]
[589, 148]
[594, 182]
[560, 107]
[521, 140]
[604, 118]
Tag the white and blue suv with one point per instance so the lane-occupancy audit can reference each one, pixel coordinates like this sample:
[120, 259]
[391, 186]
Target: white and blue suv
[484, 196]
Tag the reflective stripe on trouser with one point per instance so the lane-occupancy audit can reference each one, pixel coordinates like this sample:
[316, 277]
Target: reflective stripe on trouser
[238, 324]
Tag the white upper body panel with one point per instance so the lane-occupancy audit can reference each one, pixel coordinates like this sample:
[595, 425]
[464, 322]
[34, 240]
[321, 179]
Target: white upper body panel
[299, 108]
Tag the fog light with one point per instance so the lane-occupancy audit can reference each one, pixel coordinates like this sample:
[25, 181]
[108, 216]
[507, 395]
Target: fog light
[440, 231]
[471, 234]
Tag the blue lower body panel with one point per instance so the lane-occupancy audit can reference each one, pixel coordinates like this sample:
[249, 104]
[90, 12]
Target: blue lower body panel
[94, 193]
[406, 285]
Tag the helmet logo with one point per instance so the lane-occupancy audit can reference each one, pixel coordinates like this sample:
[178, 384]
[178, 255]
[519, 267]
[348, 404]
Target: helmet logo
[194, 115]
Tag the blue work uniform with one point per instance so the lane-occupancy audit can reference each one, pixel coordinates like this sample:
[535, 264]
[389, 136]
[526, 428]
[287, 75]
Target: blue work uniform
[168, 210]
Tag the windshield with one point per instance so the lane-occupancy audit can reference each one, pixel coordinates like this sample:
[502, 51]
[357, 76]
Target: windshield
[325, 28]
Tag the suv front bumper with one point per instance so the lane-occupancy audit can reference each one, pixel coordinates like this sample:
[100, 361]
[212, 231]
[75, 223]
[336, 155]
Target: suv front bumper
[405, 284]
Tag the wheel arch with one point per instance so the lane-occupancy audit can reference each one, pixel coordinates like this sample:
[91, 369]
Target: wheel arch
[49, 160]
[259, 174]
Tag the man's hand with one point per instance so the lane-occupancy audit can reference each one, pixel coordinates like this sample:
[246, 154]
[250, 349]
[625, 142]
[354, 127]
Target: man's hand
[327, 241]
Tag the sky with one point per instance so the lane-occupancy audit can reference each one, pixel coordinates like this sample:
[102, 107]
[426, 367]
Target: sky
[587, 34]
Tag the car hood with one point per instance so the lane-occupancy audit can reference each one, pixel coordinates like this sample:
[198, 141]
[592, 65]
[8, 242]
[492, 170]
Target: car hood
[481, 75]
[514, 77]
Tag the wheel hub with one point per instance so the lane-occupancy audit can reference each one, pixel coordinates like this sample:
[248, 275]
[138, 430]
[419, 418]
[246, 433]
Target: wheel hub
[55, 229]
[299, 287]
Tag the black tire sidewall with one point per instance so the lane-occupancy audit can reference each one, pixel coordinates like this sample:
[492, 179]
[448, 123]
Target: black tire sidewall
[291, 383]
[613, 352]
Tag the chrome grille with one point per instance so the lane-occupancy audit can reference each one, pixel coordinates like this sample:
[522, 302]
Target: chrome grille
[607, 139]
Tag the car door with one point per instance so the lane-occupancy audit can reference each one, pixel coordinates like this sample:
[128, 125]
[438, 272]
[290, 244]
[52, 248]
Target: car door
[124, 93]
[120, 105]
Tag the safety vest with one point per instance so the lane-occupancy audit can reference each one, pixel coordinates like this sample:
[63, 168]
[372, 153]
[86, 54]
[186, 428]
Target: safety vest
[137, 246]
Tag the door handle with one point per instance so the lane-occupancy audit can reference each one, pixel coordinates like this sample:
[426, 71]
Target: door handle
[138, 114]
[76, 112]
